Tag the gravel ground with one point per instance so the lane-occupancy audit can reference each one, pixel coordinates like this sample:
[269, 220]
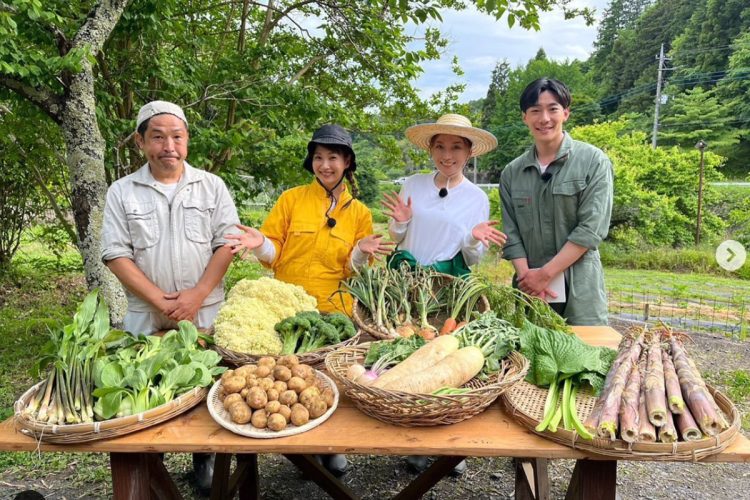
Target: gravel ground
[375, 477]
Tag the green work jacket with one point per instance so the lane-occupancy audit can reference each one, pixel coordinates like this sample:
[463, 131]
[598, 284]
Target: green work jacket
[572, 203]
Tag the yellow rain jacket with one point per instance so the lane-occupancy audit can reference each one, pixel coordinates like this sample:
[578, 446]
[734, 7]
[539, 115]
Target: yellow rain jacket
[308, 252]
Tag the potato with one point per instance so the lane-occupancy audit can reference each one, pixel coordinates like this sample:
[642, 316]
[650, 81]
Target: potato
[276, 422]
[296, 384]
[226, 375]
[308, 394]
[280, 386]
[231, 399]
[259, 419]
[273, 407]
[263, 371]
[251, 382]
[311, 381]
[267, 361]
[245, 370]
[272, 394]
[289, 361]
[286, 411]
[328, 396]
[288, 397]
[257, 398]
[316, 407]
[265, 383]
[233, 384]
[221, 394]
[300, 415]
[302, 371]
[240, 413]
[282, 373]
[244, 391]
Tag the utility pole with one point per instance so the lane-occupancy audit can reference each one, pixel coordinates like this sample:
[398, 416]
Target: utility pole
[701, 145]
[658, 97]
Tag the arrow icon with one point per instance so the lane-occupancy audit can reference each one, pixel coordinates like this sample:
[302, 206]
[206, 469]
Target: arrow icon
[731, 253]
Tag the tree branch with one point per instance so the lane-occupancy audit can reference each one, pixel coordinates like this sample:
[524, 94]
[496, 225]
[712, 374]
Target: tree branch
[4, 7]
[46, 100]
[99, 24]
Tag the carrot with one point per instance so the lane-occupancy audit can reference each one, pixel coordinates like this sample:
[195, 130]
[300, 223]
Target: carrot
[448, 326]
[453, 370]
[424, 357]
[427, 333]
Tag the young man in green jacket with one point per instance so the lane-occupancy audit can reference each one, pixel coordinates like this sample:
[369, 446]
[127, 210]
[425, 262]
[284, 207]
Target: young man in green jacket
[557, 202]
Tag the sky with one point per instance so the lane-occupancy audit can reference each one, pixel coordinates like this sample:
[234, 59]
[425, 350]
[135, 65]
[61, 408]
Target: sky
[480, 41]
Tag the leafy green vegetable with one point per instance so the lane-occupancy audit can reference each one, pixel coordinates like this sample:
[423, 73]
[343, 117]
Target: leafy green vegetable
[392, 351]
[495, 337]
[555, 356]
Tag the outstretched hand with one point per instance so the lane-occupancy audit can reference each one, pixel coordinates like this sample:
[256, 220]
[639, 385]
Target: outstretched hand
[374, 246]
[396, 208]
[250, 239]
[488, 234]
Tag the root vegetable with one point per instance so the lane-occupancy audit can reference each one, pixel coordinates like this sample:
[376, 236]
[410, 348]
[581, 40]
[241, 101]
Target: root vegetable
[263, 371]
[265, 383]
[282, 373]
[355, 371]
[288, 397]
[272, 394]
[405, 330]
[316, 406]
[449, 325]
[427, 333]
[235, 397]
[234, 383]
[328, 396]
[286, 412]
[453, 370]
[267, 361]
[226, 375]
[279, 386]
[259, 419]
[300, 415]
[309, 394]
[272, 407]
[296, 384]
[257, 398]
[240, 413]
[302, 371]
[290, 361]
[424, 357]
[245, 370]
[276, 422]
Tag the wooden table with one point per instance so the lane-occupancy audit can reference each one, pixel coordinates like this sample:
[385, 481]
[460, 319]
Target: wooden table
[137, 471]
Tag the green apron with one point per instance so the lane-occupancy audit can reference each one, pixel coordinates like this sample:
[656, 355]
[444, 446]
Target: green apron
[455, 266]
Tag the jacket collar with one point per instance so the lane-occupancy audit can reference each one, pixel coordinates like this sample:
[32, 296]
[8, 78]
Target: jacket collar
[529, 157]
[320, 192]
[144, 176]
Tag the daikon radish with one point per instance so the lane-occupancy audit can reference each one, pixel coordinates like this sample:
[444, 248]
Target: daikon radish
[453, 370]
[424, 357]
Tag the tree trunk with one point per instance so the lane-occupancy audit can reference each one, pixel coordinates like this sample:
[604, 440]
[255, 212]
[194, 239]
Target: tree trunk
[85, 158]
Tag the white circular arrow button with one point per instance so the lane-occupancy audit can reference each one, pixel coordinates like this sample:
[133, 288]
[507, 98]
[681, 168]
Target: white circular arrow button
[731, 255]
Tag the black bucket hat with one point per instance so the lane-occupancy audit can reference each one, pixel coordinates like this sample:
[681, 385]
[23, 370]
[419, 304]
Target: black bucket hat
[330, 135]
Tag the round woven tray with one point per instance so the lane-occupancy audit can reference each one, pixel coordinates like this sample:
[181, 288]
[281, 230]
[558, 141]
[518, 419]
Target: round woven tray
[217, 411]
[361, 318]
[413, 410]
[525, 403]
[316, 358]
[80, 433]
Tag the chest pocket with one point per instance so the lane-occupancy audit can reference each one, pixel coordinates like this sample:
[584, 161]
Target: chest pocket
[570, 187]
[340, 245]
[143, 224]
[567, 196]
[300, 240]
[198, 220]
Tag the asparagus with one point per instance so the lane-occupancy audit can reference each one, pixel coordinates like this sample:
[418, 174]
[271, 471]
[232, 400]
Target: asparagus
[696, 396]
[672, 384]
[688, 428]
[629, 416]
[667, 432]
[656, 399]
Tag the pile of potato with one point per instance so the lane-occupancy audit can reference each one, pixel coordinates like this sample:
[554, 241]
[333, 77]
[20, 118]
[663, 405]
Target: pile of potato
[273, 393]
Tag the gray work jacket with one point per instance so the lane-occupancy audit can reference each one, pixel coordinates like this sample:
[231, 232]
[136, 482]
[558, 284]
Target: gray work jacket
[171, 243]
[573, 204]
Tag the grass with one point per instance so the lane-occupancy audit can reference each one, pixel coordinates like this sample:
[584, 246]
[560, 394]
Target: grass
[737, 383]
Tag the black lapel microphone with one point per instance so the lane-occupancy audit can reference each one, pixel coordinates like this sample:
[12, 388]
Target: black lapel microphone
[546, 176]
[443, 192]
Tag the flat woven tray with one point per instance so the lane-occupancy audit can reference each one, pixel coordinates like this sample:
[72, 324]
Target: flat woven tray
[316, 358]
[525, 403]
[221, 415]
[416, 410]
[80, 433]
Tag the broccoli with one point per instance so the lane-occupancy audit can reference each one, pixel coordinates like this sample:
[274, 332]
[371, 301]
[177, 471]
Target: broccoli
[293, 328]
[343, 325]
[321, 334]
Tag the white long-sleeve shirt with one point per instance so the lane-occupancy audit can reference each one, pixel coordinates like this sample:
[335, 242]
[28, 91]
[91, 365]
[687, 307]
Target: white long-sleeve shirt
[441, 227]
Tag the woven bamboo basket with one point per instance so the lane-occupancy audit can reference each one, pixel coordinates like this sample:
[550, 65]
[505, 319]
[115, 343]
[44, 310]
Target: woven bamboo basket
[80, 433]
[525, 403]
[421, 410]
[362, 319]
[315, 358]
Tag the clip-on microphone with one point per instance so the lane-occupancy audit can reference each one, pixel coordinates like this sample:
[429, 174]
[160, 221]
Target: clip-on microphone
[546, 176]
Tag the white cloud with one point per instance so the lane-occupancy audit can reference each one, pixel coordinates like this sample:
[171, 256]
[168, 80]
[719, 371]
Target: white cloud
[480, 41]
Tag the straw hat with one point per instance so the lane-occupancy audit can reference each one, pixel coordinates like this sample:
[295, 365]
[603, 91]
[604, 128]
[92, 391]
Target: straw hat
[481, 141]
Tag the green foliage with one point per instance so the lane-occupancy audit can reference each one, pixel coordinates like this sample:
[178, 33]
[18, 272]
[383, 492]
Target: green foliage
[655, 189]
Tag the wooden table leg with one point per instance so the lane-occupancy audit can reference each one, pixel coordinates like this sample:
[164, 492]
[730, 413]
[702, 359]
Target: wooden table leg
[429, 477]
[244, 478]
[162, 485]
[317, 473]
[593, 480]
[130, 476]
[532, 480]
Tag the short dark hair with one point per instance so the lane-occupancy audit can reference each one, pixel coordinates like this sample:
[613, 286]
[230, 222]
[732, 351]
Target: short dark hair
[143, 127]
[530, 95]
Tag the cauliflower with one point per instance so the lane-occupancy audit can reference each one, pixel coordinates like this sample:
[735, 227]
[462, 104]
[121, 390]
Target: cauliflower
[245, 323]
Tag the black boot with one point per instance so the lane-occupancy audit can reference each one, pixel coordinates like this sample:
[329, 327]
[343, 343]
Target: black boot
[418, 463]
[335, 464]
[203, 470]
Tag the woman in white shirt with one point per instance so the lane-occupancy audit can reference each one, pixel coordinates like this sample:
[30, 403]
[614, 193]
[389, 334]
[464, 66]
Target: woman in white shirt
[440, 219]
